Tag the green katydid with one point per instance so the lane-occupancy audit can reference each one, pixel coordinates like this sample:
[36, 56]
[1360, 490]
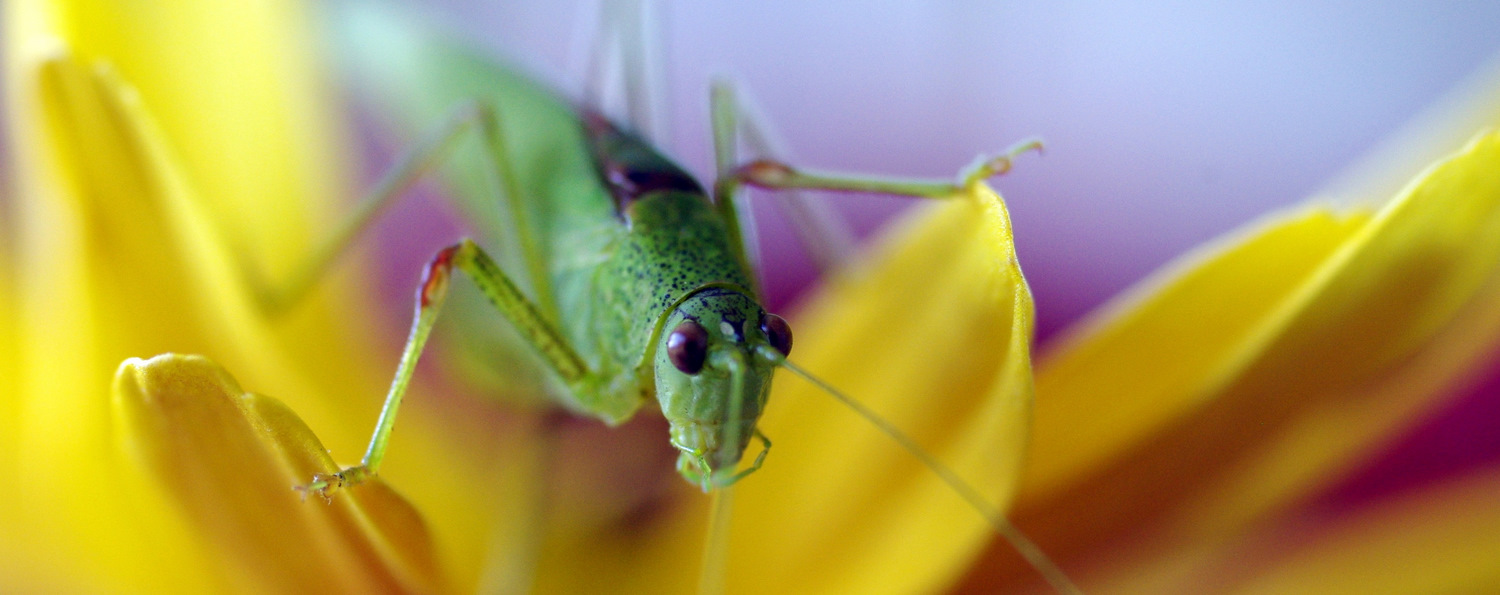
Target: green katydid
[650, 267]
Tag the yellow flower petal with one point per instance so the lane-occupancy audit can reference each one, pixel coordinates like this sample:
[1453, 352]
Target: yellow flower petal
[1366, 323]
[1441, 539]
[1149, 360]
[234, 89]
[12, 561]
[838, 507]
[229, 458]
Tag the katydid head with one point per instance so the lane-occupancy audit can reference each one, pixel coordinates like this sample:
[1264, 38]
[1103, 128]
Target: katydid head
[714, 363]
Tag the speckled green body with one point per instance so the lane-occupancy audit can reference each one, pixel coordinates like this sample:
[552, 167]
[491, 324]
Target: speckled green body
[665, 257]
[676, 245]
[656, 257]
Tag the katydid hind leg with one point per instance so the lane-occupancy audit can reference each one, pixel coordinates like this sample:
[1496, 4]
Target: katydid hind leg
[466, 256]
[624, 60]
[277, 296]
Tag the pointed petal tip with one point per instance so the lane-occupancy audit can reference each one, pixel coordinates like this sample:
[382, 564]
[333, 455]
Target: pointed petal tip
[151, 378]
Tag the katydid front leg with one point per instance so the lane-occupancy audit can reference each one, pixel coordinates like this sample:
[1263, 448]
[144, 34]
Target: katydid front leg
[827, 239]
[767, 173]
[466, 256]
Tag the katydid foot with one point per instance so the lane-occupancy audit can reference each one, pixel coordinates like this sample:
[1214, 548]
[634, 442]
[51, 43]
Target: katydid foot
[327, 484]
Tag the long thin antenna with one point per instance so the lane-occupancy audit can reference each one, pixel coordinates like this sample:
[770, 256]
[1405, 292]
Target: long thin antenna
[1018, 540]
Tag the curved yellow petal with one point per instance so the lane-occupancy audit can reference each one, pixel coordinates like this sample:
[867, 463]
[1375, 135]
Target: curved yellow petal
[228, 459]
[1368, 320]
[838, 507]
[238, 98]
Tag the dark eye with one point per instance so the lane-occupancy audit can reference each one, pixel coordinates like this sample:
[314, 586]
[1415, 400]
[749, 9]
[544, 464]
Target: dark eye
[777, 332]
[687, 347]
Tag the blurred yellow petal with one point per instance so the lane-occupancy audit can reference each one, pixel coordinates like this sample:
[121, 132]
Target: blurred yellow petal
[1365, 323]
[1441, 539]
[242, 113]
[11, 561]
[228, 459]
[118, 253]
[236, 89]
[67, 323]
[838, 507]
[1153, 356]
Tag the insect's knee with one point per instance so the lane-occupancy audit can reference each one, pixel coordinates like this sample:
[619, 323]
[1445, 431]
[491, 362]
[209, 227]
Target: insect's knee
[435, 278]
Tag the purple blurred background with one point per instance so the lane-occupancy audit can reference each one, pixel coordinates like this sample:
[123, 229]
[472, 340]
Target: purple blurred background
[1167, 123]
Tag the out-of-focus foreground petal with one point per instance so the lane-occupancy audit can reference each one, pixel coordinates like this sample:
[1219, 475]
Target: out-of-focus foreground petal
[118, 253]
[85, 279]
[1254, 373]
[238, 91]
[838, 507]
[10, 560]
[241, 116]
[227, 458]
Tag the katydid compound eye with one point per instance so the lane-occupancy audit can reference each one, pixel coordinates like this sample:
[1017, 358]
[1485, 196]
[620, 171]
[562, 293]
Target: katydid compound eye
[777, 331]
[687, 347]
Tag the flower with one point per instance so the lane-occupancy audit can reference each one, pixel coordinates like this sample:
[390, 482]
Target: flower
[123, 256]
